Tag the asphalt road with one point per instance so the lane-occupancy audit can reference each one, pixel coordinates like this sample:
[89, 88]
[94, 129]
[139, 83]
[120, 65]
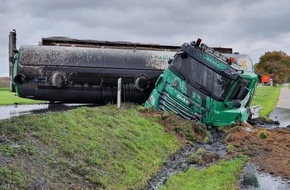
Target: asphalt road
[281, 112]
[284, 99]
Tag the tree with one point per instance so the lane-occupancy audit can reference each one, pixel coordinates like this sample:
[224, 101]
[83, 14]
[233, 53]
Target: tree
[276, 64]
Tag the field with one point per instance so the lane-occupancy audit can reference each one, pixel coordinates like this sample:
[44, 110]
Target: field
[4, 82]
[9, 98]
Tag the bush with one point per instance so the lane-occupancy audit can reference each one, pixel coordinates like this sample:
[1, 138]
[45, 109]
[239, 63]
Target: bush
[263, 134]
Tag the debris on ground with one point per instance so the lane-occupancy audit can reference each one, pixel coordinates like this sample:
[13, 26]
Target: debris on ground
[262, 121]
[268, 148]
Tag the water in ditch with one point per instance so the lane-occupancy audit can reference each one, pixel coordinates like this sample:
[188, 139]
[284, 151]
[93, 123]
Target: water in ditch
[252, 179]
[180, 160]
[282, 115]
[10, 111]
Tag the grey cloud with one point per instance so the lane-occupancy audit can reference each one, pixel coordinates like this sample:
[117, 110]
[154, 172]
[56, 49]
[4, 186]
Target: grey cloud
[245, 25]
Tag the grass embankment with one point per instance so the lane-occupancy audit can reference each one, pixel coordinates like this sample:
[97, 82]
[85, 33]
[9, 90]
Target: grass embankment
[266, 97]
[87, 148]
[102, 147]
[9, 98]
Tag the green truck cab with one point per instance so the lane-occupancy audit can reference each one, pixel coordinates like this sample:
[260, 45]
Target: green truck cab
[204, 85]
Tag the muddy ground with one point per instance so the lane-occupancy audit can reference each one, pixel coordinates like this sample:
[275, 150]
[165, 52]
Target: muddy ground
[269, 149]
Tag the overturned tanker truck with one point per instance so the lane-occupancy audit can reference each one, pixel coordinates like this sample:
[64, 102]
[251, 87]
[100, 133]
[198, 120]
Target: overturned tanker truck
[210, 85]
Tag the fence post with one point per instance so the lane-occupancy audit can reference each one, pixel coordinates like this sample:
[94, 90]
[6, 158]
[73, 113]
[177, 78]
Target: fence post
[12, 48]
[119, 93]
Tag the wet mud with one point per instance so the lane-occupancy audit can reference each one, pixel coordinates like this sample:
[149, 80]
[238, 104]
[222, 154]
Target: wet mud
[181, 161]
[268, 148]
[280, 117]
[262, 122]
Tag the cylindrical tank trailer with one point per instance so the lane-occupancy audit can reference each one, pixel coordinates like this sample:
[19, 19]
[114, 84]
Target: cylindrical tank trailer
[87, 71]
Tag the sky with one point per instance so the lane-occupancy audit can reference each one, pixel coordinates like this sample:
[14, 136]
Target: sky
[250, 27]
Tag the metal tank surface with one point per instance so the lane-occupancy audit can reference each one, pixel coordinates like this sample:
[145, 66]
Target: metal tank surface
[86, 74]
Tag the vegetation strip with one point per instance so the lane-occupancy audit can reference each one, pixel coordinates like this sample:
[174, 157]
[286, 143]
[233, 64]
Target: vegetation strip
[266, 97]
[223, 175]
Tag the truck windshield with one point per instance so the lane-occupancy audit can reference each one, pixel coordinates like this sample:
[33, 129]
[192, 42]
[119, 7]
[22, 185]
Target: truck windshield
[200, 76]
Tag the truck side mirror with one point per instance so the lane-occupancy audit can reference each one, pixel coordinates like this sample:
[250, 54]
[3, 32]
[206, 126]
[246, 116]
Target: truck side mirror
[170, 61]
[243, 93]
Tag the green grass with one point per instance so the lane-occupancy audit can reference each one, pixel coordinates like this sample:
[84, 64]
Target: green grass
[266, 97]
[101, 147]
[12, 177]
[9, 98]
[223, 176]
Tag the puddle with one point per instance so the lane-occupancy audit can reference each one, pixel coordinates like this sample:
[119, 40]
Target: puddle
[274, 121]
[252, 179]
[282, 115]
[7, 112]
[180, 160]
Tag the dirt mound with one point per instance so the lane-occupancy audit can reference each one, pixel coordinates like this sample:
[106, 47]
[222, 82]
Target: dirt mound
[4, 82]
[268, 148]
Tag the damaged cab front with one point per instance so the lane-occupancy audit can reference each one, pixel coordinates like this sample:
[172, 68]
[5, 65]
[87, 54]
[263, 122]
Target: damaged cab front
[204, 85]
